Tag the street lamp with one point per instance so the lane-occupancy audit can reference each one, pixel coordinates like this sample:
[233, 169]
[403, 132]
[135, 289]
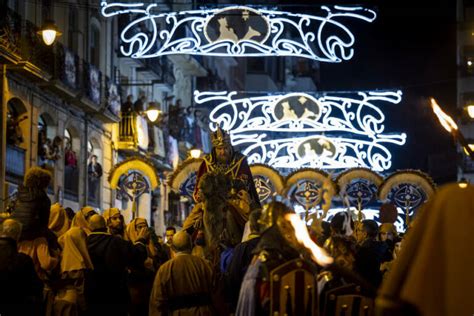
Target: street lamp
[195, 152]
[49, 32]
[153, 111]
[470, 110]
[463, 183]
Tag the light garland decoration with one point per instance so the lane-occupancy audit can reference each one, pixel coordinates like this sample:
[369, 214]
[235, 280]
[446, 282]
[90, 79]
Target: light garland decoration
[297, 130]
[237, 31]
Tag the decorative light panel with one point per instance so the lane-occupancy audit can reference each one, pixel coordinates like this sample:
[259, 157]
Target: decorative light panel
[298, 130]
[237, 31]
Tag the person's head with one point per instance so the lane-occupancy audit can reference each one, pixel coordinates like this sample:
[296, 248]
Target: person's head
[182, 242]
[37, 177]
[221, 145]
[370, 229]
[223, 153]
[253, 221]
[200, 238]
[387, 231]
[94, 159]
[114, 219]
[341, 224]
[271, 212]
[87, 211]
[170, 232]
[70, 213]
[160, 239]
[97, 223]
[10, 228]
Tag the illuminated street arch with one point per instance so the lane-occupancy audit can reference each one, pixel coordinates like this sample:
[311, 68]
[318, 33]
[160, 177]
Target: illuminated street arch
[299, 130]
[238, 31]
[134, 163]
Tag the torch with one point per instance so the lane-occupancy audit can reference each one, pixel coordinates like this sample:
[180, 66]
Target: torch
[448, 123]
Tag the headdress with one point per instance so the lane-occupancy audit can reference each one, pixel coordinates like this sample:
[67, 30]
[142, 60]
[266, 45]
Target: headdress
[220, 137]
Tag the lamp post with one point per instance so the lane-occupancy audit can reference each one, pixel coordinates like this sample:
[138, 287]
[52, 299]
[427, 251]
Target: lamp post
[153, 111]
[49, 31]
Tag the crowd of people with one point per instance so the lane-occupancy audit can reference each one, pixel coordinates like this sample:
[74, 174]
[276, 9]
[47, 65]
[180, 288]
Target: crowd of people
[55, 261]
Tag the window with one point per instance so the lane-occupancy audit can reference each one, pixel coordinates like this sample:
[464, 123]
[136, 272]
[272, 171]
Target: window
[95, 46]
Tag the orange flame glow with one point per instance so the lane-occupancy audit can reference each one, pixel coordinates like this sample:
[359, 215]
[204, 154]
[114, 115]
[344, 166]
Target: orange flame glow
[445, 120]
[302, 235]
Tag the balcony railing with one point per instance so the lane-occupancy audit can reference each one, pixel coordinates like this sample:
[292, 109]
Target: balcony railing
[68, 73]
[128, 136]
[15, 163]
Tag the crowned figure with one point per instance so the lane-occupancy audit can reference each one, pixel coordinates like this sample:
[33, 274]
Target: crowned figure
[225, 160]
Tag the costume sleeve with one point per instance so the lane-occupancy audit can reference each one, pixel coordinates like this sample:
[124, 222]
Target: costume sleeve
[158, 297]
[202, 170]
[46, 261]
[136, 253]
[245, 174]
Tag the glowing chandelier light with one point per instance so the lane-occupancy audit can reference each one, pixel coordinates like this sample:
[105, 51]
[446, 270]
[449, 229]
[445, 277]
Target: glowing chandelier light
[237, 31]
[297, 130]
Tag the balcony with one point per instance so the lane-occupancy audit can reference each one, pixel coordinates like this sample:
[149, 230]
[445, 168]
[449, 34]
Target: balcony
[15, 164]
[55, 67]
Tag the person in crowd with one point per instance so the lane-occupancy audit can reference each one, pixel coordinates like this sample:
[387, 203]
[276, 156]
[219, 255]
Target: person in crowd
[21, 291]
[115, 221]
[33, 205]
[141, 276]
[273, 250]
[388, 234]
[76, 265]
[81, 218]
[433, 274]
[371, 254]
[127, 106]
[241, 259]
[59, 222]
[343, 251]
[94, 172]
[70, 213]
[182, 285]
[107, 293]
[70, 158]
[341, 225]
[32, 210]
[386, 266]
[199, 244]
[170, 232]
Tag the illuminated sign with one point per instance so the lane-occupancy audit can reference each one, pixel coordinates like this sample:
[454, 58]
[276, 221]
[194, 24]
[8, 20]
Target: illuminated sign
[237, 31]
[298, 130]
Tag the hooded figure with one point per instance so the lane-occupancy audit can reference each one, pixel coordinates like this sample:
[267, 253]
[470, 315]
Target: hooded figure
[112, 258]
[81, 219]
[75, 266]
[183, 284]
[434, 275]
[115, 221]
[58, 220]
[33, 205]
[140, 280]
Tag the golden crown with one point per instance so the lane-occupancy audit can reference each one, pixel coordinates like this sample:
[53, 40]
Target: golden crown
[220, 137]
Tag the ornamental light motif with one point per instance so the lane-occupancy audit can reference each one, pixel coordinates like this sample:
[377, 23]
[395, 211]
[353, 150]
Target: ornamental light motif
[298, 130]
[237, 31]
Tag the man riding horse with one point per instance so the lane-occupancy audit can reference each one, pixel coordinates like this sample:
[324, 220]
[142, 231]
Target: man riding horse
[224, 183]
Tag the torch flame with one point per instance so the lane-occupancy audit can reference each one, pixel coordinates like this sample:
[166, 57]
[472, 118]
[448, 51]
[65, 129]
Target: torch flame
[445, 120]
[302, 235]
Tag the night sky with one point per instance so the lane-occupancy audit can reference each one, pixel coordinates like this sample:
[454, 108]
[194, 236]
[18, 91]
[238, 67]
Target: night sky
[411, 46]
